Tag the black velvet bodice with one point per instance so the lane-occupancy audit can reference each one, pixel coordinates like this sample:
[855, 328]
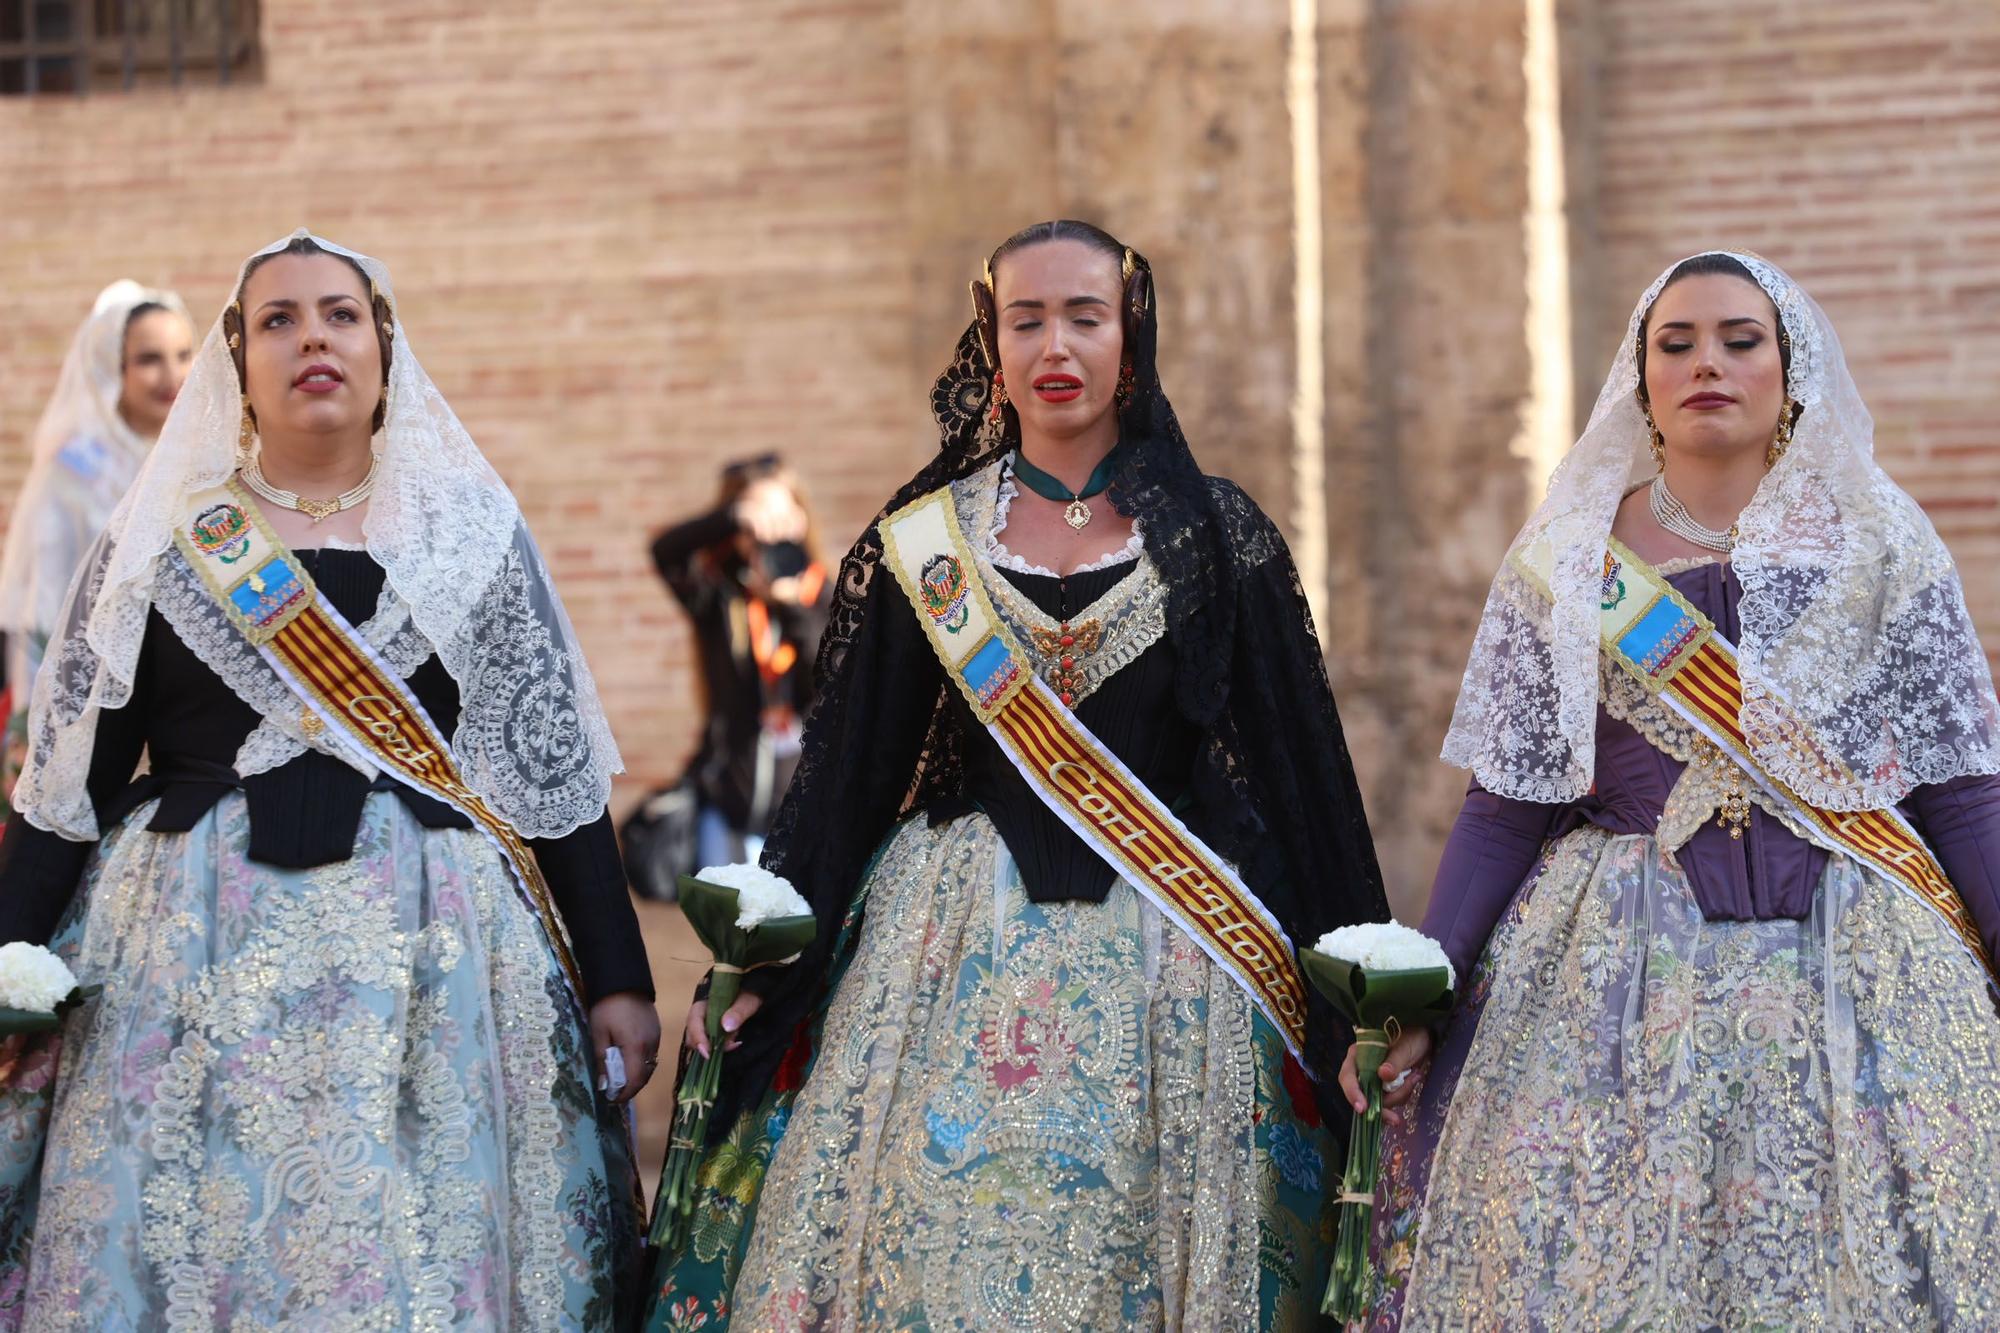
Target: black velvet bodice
[303, 813]
[1132, 713]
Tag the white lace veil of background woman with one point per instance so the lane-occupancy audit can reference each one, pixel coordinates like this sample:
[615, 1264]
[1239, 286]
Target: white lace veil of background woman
[1273, 775]
[1852, 615]
[461, 571]
[83, 405]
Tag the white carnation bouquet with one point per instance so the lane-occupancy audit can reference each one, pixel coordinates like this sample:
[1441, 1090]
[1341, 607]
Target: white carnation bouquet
[1382, 977]
[36, 990]
[749, 918]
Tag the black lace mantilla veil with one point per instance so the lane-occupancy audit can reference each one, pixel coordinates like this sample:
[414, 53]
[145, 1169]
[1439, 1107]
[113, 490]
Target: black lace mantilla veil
[1274, 790]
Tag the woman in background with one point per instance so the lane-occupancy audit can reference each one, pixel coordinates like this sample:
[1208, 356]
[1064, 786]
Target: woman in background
[124, 369]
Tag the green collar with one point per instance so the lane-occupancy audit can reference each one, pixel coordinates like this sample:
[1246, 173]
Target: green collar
[1049, 488]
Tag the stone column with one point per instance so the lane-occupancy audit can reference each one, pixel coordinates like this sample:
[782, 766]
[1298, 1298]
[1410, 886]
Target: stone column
[1429, 372]
[1164, 123]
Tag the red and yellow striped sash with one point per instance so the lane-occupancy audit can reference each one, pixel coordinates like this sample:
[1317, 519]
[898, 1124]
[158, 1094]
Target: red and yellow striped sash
[1087, 786]
[1710, 686]
[349, 694]
[1656, 636]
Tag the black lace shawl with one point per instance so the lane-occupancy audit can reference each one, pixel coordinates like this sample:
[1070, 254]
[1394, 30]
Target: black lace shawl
[1273, 791]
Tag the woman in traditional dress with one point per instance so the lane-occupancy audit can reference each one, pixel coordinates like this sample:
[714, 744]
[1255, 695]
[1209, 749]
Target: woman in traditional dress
[1724, 883]
[124, 369]
[341, 1073]
[1074, 784]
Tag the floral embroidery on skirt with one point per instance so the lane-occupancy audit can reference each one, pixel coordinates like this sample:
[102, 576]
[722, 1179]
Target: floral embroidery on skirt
[1646, 1119]
[356, 1096]
[1021, 1116]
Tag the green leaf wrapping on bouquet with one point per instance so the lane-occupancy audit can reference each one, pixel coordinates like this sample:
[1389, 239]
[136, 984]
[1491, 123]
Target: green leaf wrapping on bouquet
[27, 1022]
[712, 910]
[34, 1022]
[1378, 1002]
[1370, 997]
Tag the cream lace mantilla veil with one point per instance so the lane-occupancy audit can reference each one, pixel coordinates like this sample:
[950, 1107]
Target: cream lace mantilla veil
[84, 405]
[464, 579]
[1852, 615]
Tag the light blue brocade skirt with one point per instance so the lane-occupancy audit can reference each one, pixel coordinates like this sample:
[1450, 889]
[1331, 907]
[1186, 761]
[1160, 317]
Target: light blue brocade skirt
[357, 1096]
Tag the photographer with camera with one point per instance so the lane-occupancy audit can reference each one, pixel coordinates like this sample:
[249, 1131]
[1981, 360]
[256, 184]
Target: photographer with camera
[748, 574]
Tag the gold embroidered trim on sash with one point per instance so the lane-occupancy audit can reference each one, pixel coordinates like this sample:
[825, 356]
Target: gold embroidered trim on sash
[1674, 652]
[1087, 786]
[347, 689]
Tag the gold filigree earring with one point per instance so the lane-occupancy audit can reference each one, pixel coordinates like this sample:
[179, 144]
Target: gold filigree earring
[1781, 442]
[246, 434]
[1659, 441]
[389, 332]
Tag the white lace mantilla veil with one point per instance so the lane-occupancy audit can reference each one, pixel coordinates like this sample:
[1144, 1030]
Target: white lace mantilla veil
[1852, 616]
[83, 405]
[463, 577]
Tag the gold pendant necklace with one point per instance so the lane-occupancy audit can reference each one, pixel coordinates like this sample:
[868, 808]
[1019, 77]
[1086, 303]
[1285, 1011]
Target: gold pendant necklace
[316, 510]
[1076, 513]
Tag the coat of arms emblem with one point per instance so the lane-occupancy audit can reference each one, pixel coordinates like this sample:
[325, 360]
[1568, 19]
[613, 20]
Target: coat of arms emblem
[222, 531]
[946, 596]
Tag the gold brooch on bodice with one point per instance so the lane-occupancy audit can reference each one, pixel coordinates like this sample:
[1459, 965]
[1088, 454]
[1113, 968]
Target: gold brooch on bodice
[1061, 648]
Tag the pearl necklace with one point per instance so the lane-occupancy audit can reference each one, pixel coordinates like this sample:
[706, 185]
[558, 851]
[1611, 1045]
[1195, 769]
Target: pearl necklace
[1672, 515]
[253, 477]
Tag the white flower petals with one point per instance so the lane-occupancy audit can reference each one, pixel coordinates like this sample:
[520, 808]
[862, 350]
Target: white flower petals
[760, 895]
[33, 979]
[1387, 946]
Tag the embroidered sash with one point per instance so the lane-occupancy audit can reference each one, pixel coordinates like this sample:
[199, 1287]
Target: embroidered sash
[1087, 786]
[350, 695]
[1676, 653]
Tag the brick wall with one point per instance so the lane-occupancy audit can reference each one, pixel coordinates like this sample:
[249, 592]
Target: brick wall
[633, 239]
[1856, 143]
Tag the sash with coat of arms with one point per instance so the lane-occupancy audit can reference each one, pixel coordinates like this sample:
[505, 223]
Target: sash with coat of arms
[1088, 787]
[347, 694]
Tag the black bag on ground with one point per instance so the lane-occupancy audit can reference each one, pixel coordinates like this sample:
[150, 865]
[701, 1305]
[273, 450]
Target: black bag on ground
[658, 840]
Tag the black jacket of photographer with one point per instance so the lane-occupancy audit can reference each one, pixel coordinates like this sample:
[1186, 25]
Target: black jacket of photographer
[700, 562]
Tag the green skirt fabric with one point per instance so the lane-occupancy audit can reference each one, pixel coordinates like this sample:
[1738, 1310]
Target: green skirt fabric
[1012, 1115]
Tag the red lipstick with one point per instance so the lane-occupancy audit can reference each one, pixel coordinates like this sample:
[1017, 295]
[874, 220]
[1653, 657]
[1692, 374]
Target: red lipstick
[1058, 388]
